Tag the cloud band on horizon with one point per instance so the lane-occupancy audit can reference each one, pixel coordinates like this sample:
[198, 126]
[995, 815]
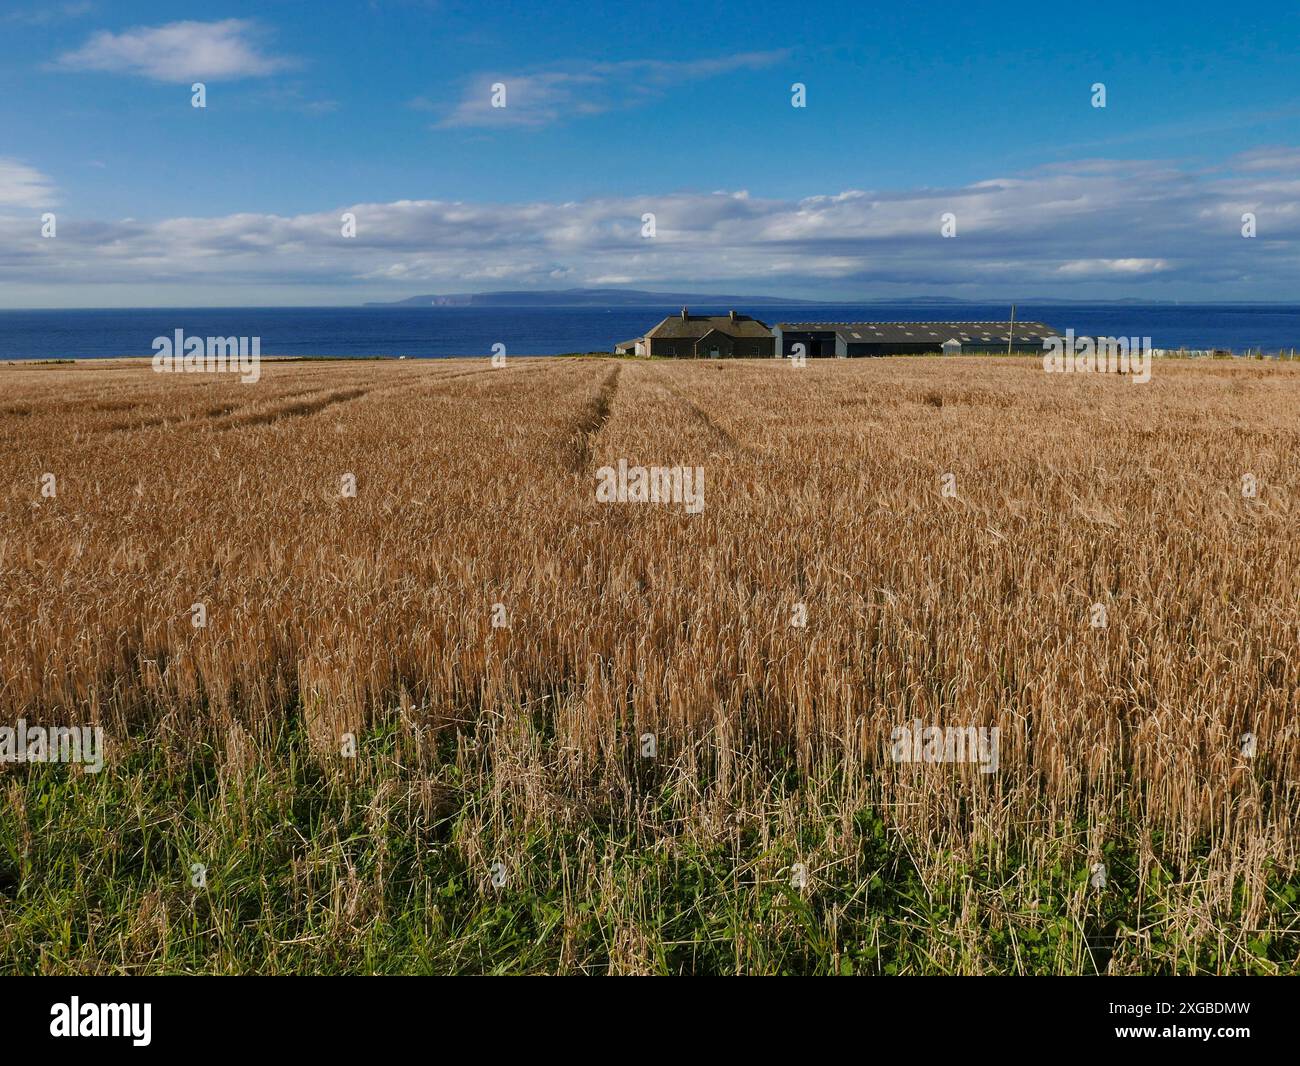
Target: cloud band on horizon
[1109, 224]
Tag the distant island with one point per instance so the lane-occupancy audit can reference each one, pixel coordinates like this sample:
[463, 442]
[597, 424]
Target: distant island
[582, 298]
[643, 298]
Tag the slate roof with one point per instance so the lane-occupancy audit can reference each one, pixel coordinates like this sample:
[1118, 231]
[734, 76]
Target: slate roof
[693, 327]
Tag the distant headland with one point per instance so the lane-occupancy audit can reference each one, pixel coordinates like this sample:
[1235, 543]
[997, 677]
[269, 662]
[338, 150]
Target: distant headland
[581, 298]
[619, 297]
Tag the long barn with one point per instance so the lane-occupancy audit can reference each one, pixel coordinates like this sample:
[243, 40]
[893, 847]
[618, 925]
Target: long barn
[850, 339]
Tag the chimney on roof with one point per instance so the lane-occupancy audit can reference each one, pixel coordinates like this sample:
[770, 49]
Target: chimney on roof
[684, 315]
[733, 316]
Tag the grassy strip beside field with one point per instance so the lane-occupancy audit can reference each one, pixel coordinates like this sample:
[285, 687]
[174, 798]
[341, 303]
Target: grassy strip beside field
[382, 867]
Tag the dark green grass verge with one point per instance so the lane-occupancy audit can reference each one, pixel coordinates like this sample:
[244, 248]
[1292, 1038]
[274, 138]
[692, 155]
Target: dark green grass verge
[387, 867]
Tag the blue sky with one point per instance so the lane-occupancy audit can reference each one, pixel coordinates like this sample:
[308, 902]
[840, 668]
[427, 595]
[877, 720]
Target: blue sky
[683, 110]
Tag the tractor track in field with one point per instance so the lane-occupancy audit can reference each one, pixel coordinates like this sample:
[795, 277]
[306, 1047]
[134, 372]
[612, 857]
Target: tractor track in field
[714, 428]
[296, 409]
[223, 417]
[591, 421]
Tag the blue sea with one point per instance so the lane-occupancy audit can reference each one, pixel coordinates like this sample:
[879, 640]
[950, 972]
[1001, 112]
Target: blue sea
[439, 332]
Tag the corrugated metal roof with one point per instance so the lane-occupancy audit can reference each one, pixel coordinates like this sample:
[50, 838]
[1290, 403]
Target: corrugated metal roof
[924, 332]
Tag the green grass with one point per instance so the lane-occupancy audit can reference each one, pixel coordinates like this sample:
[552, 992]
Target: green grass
[383, 864]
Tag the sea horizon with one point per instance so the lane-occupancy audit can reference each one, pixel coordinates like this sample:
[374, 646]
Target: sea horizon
[449, 332]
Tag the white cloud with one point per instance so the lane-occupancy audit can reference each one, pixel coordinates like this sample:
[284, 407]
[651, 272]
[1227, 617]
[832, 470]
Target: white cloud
[544, 97]
[1281, 158]
[1095, 229]
[177, 52]
[1083, 267]
[47, 13]
[23, 186]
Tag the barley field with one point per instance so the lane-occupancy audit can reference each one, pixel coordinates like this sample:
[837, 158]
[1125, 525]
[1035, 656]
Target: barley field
[384, 687]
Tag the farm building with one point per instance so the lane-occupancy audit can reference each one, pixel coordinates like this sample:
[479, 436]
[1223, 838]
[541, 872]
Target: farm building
[829, 339]
[688, 336]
